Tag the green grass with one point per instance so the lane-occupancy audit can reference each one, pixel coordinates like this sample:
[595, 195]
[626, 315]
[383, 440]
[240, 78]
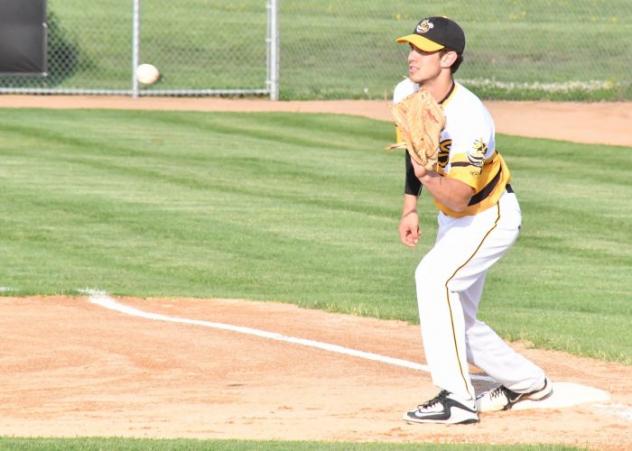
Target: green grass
[98, 444]
[301, 209]
[528, 42]
[347, 49]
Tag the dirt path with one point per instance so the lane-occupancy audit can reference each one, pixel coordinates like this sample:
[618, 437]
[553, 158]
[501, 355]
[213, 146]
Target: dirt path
[594, 123]
[71, 368]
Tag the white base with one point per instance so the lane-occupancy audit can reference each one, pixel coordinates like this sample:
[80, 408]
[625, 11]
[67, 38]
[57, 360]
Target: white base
[566, 394]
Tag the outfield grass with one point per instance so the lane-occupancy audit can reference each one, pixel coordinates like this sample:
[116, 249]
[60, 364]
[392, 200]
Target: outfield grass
[527, 42]
[98, 444]
[347, 49]
[301, 209]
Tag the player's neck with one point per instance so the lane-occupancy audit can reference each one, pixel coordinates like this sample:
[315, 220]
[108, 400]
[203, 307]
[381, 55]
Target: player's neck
[439, 87]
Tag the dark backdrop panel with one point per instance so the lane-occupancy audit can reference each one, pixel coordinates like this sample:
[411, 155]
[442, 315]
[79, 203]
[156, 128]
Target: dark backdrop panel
[23, 36]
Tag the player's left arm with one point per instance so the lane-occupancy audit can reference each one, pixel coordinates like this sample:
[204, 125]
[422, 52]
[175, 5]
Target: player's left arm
[452, 193]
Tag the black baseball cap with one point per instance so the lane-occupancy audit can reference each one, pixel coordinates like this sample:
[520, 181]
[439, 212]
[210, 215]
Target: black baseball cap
[435, 33]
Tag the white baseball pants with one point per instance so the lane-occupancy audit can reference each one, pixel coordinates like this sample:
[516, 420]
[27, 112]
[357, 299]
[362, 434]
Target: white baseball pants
[450, 280]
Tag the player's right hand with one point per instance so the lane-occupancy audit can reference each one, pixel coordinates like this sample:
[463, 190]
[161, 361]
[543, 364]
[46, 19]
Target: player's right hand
[409, 232]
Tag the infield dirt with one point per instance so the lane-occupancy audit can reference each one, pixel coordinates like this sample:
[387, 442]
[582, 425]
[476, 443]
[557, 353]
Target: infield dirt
[71, 368]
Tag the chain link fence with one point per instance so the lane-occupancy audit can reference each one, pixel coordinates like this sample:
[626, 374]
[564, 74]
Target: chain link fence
[516, 49]
[201, 47]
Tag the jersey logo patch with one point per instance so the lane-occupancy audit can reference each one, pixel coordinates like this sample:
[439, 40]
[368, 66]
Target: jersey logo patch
[477, 156]
[444, 153]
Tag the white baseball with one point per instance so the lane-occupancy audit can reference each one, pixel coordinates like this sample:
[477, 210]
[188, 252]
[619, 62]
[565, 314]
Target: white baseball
[147, 74]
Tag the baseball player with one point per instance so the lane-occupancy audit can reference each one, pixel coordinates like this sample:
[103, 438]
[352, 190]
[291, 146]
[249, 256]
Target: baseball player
[479, 220]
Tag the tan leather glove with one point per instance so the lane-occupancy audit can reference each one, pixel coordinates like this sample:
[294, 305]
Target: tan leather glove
[419, 120]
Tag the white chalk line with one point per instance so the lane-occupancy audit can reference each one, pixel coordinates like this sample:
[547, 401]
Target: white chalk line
[620, 410]
[106, 301]
[566, 394]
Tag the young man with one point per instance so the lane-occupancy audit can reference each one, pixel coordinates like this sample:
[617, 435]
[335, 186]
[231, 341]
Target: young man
[479, 219]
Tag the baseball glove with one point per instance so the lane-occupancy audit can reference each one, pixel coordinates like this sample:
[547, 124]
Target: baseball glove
[419, 120]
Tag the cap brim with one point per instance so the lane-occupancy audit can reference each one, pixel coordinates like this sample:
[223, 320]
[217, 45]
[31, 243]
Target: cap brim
[420, 42]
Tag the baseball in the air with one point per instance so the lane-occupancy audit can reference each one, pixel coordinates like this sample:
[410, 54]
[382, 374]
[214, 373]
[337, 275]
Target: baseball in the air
[147, 74]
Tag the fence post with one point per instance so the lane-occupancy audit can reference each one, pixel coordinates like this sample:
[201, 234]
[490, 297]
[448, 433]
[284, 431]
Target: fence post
[273, 49]
[135, 45]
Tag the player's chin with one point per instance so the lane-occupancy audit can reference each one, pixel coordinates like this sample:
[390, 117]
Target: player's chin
[415, 75]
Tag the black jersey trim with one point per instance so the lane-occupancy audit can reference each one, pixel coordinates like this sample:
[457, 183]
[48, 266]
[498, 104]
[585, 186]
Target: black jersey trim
[447, 96]
[486, 191]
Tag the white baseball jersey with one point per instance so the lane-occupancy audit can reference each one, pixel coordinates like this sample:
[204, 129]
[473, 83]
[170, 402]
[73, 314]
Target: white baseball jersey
[467, 150]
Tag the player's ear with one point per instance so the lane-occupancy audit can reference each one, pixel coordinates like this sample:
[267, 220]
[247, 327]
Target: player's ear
[448, 58]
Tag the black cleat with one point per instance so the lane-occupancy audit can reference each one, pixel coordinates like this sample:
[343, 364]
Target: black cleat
[444, 408]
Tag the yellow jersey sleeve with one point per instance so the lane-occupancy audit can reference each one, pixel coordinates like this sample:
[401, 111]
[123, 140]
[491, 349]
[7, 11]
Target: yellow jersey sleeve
[489, 183]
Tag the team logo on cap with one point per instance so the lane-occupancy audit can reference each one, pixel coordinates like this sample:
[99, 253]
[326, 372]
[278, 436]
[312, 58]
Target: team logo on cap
[424, 26]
